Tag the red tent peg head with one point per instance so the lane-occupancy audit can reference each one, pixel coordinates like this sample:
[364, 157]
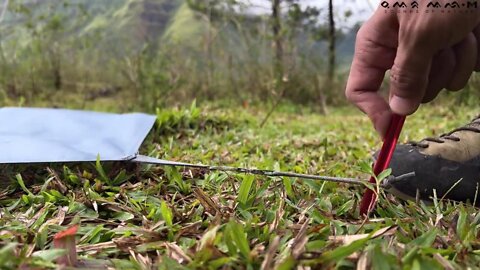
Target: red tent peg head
[383, 161]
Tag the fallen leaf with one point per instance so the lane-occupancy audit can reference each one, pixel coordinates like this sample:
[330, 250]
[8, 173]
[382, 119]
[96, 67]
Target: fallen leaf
[272, 249]
[348, 239]
[209, 205]
[96, 247]
[176, 253]
[362, 263]
[300, 241]
[278, 216]
[444, 262]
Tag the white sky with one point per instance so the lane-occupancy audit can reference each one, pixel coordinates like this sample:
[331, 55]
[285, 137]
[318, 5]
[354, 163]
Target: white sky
[361, 9]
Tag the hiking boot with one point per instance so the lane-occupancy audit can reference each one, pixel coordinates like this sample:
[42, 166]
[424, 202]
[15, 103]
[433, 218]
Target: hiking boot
[449, 164]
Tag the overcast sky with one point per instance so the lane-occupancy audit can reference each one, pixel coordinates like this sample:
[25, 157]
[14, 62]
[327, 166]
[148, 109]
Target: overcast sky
[361, 9]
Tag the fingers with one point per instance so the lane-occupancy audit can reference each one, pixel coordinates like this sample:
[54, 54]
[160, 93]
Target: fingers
[366, 76]
[409, 79]
[452, 67]
[466, 60]
[476, 32]
[406, 45]
[441, 72]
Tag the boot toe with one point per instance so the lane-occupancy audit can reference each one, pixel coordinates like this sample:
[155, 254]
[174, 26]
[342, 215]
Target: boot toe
[450, 179]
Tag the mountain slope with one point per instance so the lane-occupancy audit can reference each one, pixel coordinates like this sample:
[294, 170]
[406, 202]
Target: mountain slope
[185, 27]
[112, 24]
[119, 27]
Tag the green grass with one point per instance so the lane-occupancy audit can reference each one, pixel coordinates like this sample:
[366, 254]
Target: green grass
[148, 217]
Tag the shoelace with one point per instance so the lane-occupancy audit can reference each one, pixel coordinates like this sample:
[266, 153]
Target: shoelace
[447, 136]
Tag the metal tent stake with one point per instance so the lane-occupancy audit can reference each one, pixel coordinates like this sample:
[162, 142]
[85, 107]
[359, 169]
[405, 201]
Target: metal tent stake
[269, 173]
[383, 161]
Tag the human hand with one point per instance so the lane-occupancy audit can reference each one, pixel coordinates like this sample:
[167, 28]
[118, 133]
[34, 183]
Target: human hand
[425, 52]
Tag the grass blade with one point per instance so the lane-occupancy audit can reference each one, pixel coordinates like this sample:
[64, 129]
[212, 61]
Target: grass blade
[245, 188]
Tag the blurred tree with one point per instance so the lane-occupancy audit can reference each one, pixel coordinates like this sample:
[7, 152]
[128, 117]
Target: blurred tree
[331, 47]
[276, 22]
[288, 20]
[295, 18]
[306, 21]
[331, 41]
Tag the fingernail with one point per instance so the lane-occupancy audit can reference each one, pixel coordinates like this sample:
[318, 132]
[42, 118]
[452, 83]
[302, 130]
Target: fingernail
[402, 105]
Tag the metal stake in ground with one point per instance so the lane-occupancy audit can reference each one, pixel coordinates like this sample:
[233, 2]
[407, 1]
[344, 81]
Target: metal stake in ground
[268, 173]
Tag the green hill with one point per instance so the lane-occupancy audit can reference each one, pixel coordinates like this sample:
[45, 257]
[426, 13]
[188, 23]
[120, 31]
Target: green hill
[185, 27]
[118, 26]
[127, 24]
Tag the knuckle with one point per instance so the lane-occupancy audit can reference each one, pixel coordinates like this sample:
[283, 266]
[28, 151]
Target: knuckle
[362, 31]
[350, 95]
[456, 86]
[365, 49]
[406, 84]
[430, 95]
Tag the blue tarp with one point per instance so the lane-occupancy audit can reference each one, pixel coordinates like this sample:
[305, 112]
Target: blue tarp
[36, 135]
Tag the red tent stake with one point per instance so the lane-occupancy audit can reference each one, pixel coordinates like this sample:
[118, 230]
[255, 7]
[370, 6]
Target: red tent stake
[383, 161]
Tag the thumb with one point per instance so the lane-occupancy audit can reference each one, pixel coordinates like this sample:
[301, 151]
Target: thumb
[408, 79]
